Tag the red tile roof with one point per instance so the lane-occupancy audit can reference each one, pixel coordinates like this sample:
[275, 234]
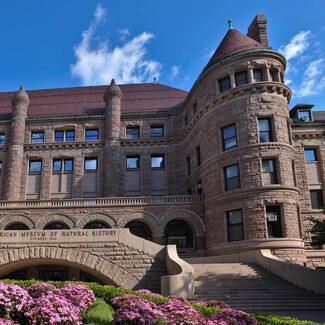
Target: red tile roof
[148, 97]
[233, 42]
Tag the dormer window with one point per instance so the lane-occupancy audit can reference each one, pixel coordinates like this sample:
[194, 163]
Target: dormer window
[224, 84]
[304, 116]
[241, 78]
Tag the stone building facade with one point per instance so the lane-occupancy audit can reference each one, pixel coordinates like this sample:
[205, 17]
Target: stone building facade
[221, 169]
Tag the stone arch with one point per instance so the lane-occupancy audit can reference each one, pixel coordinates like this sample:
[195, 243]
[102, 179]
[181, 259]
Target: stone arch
[16, 218]
[96, 217]
[149, 219]
[16, 258]
[188, 216]
[41, 223]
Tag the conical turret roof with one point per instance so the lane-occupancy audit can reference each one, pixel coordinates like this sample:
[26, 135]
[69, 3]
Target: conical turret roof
[233, 42]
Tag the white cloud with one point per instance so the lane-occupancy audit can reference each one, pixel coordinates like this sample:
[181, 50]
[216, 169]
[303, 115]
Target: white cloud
[297, 45]
[124, 34]
[174, 71]
[97, 63]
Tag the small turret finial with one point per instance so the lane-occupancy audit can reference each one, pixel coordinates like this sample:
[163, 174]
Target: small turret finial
[113, 82]
[230, 23]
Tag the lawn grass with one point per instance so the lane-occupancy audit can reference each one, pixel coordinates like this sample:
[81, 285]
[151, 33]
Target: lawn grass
[101, 313]
[269, 319]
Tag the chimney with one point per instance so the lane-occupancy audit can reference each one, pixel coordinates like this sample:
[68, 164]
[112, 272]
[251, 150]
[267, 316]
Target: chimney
[257, 30]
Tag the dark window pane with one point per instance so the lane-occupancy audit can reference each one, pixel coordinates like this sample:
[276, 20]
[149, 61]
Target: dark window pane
[274, 75]
[157, 131]
[258, 75]
[235, 225]
[265, 130]
[310, 155]
[96, 225]
[241, 78]
[316, 199]
[157, 161]
[273, 218]
[232, 180]
[269, 171]
[229, 137]
[139, 229]
[68, 165]
[199, 190]
[57, 165]
[90, 163]
[194, 108]
[37, 137]
[92, 135]
[2, 138]
[56, 226]
[133, 132]
[133, 162]
[224, 84]
[59, 136]
[17, 226]
[188, 165]
[198, 155]
[70, 135]
[179, 233]
[35, 166]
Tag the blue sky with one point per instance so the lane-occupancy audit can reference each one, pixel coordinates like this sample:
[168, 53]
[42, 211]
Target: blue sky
[51, 44]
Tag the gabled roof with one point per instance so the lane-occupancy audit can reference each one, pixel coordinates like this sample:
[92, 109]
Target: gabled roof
[137, 98]
[233, 42]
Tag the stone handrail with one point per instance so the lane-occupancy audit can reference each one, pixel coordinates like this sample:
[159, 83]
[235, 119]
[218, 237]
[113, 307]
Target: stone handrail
[301, 276]
[180, 278]
[112, 201]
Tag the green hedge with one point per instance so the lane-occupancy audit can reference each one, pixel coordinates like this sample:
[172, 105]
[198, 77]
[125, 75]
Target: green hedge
[101, 313]
[269, 319]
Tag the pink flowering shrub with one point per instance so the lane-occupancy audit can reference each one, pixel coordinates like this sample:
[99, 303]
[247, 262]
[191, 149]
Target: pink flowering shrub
[37, 289]
[132, 309]
[234, 317]
[78, 294]
[7, 322]
[148, 292]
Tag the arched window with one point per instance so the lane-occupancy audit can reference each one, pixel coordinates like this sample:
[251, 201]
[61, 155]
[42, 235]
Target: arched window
[17, 226]
[96, 225]
[139, 229]
[180, 233]
[56, 226]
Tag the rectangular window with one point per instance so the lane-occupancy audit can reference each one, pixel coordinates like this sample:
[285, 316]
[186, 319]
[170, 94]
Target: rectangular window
[265, 130]
[232, 178]
[157, 161]
[241, 78]
[156, 131]
[224, 84]
[70, 136]
[199, 190]
[188, 165]
[198, 155]
[132, 132]
[68, 165]
[274, 75]
[92, 134]
[57, 165]
[2, 138]
[258, 75]
[310, 155]
[37, 137]
[269, 171]
[304, 115]
[273, 219]
[229, 137]
[35, 166]
[316, 199]
[132, 162]
[91, 164]
[235, 225]
[59, 136]
[194, 108]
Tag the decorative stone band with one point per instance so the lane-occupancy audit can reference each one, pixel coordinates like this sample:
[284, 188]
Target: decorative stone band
[104, 202]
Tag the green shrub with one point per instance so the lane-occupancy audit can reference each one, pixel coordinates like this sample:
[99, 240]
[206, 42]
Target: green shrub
[269, 319]
[204, 310]
[101, 313]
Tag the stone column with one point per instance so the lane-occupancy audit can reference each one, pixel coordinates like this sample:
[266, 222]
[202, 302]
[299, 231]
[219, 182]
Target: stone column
[20, 103]
[250, 74]
[267, 74]
[232, 80]
[112, 179]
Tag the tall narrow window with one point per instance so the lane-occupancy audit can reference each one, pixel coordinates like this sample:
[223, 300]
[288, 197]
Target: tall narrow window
[199, 190]
[132, 132]
[59, 136]
[92, 134]
[229, 137]
[188, 165]
[2, 138]
[274, 75]
[269, 171]
[37, 137]
[194, 108]
[224, 84]
[316, 199]
[232, 178]
[258, 75]
[265, 130]
[310, 155]
[273, 218]
[132, 162]
[185, 120]
[156, 131]
[241, 78]
[198, 155]
[235, 225]
[70, 135]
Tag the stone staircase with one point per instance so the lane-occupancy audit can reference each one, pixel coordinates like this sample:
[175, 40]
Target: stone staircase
[250, 287]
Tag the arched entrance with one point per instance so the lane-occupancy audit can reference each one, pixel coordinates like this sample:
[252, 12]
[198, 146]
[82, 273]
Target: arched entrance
[180, 233]
[140, 229]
